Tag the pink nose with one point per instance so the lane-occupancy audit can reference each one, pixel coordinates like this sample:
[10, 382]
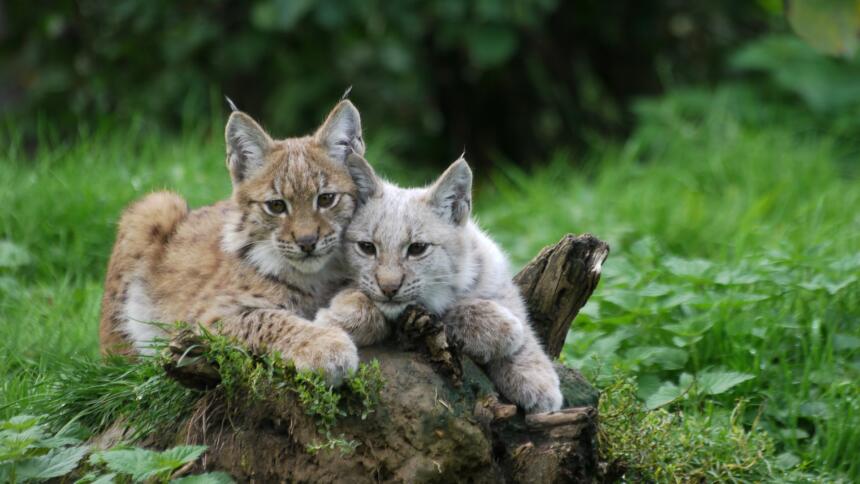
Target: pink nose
[390, 287]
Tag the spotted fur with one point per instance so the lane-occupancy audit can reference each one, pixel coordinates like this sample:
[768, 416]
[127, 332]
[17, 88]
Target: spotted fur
[236, 266]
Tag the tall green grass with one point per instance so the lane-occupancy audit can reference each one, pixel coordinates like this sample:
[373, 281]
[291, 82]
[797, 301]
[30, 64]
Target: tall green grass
[733, 274]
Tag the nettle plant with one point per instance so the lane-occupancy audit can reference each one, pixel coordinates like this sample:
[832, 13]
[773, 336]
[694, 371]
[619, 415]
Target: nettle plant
[30, 452]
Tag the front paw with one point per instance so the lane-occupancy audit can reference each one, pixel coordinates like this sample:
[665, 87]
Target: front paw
[546, 400]
[329, 349]
[416, 322]
[353, 312]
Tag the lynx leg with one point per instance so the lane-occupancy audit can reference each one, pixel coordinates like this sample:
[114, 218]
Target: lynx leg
[485, 329]
[527, 378]
[308, 346]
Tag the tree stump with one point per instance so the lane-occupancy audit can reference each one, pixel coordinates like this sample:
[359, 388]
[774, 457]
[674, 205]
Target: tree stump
[439, 419]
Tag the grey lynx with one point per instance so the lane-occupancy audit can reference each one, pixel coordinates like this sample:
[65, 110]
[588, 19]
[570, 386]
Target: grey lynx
[259, 264]
[420, 246]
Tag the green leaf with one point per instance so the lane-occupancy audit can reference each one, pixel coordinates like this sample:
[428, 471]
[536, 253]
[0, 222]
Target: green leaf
[787, 460]
[19, 423]
[647, 385]
[138, 463]
[143, 464]
[832, 287]
[665, 357]
[56, 463]
[718, 382]
[93, 478]
[656, 289]
[105, 479]
[627, 300]
[180, 455]
[209, 478]
[691, 327]
[667, 393]
[823, 83]
[694, 268]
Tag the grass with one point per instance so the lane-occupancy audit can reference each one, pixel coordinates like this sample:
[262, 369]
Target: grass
[733, 275]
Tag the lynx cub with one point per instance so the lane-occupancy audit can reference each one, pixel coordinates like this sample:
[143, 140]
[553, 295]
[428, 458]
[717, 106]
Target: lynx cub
[420, 245]
[259, 264]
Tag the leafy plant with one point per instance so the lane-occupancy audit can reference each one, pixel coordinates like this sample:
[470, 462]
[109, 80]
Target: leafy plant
[142, 465]
[29, 452]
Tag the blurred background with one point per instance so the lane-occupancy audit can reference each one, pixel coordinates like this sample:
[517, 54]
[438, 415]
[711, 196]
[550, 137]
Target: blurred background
[511, 80]
[715, 145]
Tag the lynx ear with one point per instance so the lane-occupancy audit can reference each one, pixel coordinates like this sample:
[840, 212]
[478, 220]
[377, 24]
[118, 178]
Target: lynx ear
[340, 134]
[363, 176]
[451, 195]
[247, 145]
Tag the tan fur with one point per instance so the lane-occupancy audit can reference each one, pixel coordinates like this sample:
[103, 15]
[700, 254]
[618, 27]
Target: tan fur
[355, 313]
[201, 267]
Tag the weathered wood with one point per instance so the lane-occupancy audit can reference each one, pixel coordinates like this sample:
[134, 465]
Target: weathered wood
[565, 416]
[558, 282]
[439, 420]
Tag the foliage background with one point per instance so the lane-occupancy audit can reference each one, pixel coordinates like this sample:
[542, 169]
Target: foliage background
[507, 79]
[713, 144]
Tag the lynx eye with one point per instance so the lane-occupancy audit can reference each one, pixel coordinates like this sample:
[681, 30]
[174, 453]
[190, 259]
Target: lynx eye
[326, 200]
[367, 248]
[276, 207]
[417, 248]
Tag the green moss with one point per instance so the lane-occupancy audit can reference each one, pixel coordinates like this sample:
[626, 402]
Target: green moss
[96, 394]
[673, 446]
[248, 379]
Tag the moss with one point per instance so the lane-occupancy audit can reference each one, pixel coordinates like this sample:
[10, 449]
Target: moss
[96, 394]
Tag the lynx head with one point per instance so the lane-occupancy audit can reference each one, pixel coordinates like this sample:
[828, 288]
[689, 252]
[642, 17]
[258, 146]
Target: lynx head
[295, 196]
[407, 245]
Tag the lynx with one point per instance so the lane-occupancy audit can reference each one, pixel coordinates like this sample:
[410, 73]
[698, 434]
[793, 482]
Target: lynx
[255, 267]
[420, 246]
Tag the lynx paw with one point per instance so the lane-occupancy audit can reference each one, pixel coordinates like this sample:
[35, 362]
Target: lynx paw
[356, 314]
[528, 379]
[417, 321]
[329, 350]
[546, 400]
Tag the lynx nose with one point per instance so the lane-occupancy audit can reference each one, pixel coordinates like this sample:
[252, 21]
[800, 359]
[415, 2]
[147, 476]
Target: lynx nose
[389, 285]
[307, 243]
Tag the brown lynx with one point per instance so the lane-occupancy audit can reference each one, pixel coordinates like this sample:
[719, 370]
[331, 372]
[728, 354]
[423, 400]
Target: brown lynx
[259, 264]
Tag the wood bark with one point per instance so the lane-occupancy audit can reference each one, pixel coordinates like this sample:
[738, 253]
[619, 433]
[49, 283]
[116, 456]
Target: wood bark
[439, 419]
[558, 282]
